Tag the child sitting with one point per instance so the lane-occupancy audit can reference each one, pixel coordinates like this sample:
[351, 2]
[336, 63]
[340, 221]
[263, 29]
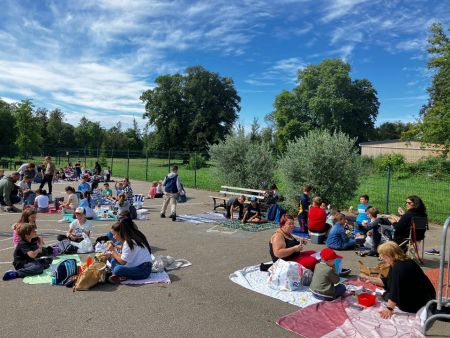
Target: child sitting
[41, 201]
[159, 190]
[253, 213]
[88, 204]
[153, 190]
[70, 203]
[26, 253]
[79, 226]
[122, 205]
[28, 216]
[96, 193]
[106, 192]
[324, 284]
[337, 237]
[373, 239]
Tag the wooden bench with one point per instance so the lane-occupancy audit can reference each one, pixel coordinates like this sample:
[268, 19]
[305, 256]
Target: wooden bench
[227, 192]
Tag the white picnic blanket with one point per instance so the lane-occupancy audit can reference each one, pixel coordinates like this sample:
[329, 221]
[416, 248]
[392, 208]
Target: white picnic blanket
[207, 217]
[254, 279]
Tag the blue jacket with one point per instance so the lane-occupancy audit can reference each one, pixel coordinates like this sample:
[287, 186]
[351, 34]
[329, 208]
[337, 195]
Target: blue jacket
[337, 237]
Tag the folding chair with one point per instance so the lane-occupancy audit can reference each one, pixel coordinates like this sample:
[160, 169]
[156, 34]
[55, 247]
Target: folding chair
[419, 225]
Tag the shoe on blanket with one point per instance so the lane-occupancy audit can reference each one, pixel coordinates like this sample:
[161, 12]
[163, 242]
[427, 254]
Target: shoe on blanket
[11, 274]
[345, 272]
[433, 252]
[116, 279]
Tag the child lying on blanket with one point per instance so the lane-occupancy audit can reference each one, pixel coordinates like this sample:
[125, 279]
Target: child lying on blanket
[26, 261]
[324, 282]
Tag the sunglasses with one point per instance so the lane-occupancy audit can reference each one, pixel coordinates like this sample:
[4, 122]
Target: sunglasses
[409, 202]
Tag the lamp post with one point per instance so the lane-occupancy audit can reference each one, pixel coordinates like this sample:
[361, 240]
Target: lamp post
[68, 157]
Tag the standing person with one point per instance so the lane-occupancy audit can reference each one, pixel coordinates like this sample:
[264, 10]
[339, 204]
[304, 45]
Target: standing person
[130, 196]
[361, 217]
[49, 172]
[172, 186]
[78, 169]
[233, 204]
[9, 192]
[303, 208]
[97, 169]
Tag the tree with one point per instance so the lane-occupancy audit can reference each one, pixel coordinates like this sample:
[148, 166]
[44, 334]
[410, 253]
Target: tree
[88, 134]
[134, 138]
[328, 161]
[191, 110]
[390, 130]
[42, 123]
[59, 133]
[241, 162]
[28, 138]
[434, 120]
[326, 98]
[7, 132]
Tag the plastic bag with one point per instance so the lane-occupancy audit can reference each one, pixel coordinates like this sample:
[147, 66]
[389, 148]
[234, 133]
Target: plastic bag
[85, 245]
[101, 247]
[285, 276]
[161, 262]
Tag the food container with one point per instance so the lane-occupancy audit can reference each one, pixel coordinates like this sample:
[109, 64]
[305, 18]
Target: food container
[367, 299]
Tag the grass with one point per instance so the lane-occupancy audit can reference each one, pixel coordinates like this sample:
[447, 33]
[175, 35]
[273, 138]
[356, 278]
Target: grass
[435, 193]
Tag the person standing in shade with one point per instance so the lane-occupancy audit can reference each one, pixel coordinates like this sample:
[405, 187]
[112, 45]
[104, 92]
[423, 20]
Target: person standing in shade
[172, 186]
[49, 172]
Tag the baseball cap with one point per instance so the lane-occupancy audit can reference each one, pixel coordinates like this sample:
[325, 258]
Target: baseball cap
[252, 199]
[328, 254]
[80, 210]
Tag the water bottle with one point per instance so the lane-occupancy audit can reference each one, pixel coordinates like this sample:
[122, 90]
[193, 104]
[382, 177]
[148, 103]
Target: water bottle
[53, 280]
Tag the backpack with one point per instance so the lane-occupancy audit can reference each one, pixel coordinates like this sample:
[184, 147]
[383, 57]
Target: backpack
[62, 271]
[170, 185]
[65, 247]
[274, 213]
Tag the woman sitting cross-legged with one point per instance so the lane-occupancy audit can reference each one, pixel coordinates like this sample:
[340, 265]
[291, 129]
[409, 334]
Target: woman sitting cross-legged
[407, 287]
[134, 261]
[287, 247]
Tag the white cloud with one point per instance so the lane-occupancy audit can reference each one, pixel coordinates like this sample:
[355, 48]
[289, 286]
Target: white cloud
[339, 8]
[284, 70]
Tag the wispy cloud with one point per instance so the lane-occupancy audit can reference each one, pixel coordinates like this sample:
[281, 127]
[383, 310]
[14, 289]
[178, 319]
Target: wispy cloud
[340, 8]
[284, 71]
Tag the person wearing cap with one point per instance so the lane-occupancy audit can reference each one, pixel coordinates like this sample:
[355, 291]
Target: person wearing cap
[84, 185]
[78, 226]
[283, 245]
[324, 284]
[49, 172]
[9, 192]
[253, 212]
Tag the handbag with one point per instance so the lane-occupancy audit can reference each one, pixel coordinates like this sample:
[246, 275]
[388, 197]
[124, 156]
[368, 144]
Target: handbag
[90, 276]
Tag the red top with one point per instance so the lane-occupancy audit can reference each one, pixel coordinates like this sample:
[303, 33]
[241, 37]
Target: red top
[316, 219]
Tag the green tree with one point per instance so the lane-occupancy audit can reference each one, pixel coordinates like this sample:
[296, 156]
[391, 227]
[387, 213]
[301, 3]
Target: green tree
[59, 133]
[134, 137]
[326, 98]
[7, 129]
[115, 137]
[390, 130]
[434, 120]
[328, 161]
[28, 138]
[241, 162]
[191, 110]
[88, 134]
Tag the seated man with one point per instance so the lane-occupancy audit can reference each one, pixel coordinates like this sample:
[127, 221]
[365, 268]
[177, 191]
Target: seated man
[233, 204]
[9, 192]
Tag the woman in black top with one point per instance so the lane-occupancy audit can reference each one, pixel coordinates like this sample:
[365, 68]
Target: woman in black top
[406, 285]
[402, 225]
[285, 246]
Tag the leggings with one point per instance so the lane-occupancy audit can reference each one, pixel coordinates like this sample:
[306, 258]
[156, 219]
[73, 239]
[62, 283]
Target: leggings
[306, 259]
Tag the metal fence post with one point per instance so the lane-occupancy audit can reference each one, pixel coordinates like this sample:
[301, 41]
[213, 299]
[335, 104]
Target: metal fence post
[85, 165]
[146, 165]
[112, 159]
[388, 187]
[195, 170]
[128, 163]
[169, 160]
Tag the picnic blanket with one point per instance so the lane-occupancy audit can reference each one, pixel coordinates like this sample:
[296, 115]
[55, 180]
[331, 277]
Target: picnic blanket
[235, 224]
[109, 218]
[207, 217]
[254, 279]
[342, 318]
[155, 277]
[46, 276]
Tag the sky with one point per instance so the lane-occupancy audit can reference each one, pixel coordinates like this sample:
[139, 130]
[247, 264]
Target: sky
[95, 58]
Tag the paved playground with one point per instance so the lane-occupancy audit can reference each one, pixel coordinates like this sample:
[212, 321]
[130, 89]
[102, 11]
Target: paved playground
[200, 302]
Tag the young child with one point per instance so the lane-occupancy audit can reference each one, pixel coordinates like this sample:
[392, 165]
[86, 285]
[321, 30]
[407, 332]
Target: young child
[373, 239]
[70, 203]
[361, 217]
[88, 204]
[41, 201]
[159, 190]
[253, 213]
[84, 185]
[29, 215]
[153, 190]
[26, 253]
[337, 238]
[122, 205]
[106, 192]
[303, 208]
[79, 226]
[324, 284]
[96, 193]
[235, 203]
[25, 190]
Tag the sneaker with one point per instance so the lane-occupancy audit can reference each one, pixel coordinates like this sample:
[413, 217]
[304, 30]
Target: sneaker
[174, 217]
[433, 252]
[162, 216]
[345, 272]
[115, 279]
[11, 274]
[13, 209]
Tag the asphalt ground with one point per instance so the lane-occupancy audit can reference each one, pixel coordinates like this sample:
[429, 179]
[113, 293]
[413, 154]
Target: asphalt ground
[201, 301]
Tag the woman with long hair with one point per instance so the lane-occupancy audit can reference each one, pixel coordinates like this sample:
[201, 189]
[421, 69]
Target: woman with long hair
[134, 261]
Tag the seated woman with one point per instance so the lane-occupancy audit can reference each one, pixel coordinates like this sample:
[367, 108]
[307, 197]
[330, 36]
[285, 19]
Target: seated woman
[88, 204]
[134, 261]
[407, 287]
[287, 247]
[253, 212]
[402, 225]
[317, 217]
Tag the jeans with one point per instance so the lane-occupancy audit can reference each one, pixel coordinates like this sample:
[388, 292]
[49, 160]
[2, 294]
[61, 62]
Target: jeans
[345, 246]
[339, 291]
[35, 267]
[137, 272]
[47, 179]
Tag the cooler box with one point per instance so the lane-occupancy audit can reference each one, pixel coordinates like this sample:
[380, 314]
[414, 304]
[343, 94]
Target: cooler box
[317, 237]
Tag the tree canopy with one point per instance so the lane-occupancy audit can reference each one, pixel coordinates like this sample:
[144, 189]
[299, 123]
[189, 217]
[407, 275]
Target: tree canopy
[191, 110]
[326, 98]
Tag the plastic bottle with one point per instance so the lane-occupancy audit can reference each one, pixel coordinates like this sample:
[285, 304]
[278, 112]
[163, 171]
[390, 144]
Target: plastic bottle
[53, 280]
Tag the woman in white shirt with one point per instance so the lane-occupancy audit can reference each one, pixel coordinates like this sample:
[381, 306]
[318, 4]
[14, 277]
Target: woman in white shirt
[134, 261]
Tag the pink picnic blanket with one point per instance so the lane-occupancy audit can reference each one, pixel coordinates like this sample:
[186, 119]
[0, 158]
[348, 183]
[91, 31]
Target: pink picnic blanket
[341, 318]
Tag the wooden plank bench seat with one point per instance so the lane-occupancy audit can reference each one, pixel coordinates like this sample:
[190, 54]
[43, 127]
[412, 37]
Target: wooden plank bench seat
[228, 191]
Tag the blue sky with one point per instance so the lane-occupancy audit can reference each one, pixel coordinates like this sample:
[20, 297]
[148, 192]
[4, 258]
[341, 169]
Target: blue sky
[95, 58]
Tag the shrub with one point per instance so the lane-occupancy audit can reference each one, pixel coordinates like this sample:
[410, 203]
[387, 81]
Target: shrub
[196, 162]
[329, 162]
[242, 163]
[396, 161]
